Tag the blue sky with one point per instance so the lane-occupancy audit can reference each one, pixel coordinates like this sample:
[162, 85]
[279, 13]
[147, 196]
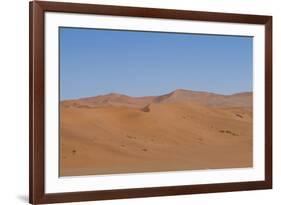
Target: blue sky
[95, 62]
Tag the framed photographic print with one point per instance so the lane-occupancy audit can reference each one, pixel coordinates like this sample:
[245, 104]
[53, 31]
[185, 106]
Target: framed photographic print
[139, 102]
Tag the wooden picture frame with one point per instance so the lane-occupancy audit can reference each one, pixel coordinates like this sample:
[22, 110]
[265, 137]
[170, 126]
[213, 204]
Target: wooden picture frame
[37, 194]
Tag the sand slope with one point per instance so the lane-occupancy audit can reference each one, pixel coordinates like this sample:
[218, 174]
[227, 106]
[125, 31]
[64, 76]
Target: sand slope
[147, 135]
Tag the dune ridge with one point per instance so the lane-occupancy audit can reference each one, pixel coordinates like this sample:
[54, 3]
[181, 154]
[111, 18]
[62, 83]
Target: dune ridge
[180, 95]
[182, 130]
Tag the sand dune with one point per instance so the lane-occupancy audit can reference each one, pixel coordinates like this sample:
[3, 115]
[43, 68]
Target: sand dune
[183, 130]
[180, 95]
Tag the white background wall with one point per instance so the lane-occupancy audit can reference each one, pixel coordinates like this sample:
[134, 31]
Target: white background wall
[14, 100]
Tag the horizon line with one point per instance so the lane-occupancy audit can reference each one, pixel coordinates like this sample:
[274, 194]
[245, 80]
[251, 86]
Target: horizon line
[180, 89]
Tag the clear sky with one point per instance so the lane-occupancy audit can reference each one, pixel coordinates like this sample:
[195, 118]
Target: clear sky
[95, 62]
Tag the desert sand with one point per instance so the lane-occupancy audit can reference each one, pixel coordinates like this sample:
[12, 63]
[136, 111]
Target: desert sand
[182, 130]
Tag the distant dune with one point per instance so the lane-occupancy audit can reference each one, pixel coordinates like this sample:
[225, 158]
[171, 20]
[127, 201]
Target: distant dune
[177, 96]
[182, 130]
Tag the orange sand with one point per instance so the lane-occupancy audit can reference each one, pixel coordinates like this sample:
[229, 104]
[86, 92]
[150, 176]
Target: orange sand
[183, 130]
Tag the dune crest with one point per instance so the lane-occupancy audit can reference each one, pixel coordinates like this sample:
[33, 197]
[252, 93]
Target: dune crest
[178, 96]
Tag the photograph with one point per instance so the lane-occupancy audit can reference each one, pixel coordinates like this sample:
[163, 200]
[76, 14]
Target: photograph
[145, 101]
[132, 102]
